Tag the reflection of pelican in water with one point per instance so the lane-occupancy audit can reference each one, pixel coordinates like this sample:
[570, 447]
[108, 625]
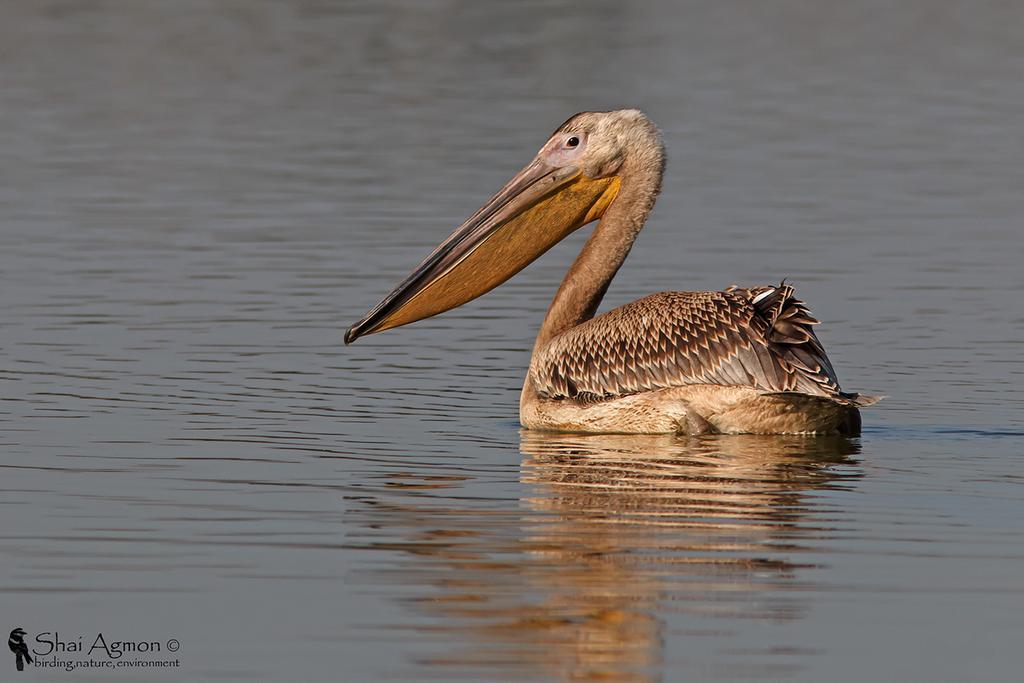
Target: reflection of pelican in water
[616, 537]
[744, 360]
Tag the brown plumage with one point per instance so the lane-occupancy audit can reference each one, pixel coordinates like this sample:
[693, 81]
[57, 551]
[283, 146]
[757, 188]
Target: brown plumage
[760, 337]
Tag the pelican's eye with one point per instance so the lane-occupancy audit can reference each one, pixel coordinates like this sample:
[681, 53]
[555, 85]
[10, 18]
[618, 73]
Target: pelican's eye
[565, 148]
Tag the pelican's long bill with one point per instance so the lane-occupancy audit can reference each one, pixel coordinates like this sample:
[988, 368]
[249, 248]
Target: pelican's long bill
[533, 212]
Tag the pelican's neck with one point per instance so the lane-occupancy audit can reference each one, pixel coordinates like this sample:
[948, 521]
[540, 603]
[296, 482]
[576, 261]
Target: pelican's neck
[588, 278]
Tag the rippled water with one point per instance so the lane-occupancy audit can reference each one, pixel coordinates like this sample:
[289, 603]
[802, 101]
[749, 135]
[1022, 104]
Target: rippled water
[197, 198]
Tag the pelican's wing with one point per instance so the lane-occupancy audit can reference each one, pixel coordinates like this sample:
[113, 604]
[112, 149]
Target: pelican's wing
[761, 337]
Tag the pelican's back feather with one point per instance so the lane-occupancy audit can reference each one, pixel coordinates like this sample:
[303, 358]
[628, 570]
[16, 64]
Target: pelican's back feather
[761, 337]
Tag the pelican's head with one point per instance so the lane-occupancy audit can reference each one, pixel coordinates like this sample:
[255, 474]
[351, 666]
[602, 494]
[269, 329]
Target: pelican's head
[572, 181]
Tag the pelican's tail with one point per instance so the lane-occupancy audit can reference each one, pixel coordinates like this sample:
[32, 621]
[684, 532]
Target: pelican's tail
[860, 400]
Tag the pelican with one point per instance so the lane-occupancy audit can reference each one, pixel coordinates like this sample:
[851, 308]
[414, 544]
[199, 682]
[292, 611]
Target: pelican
[741, 360]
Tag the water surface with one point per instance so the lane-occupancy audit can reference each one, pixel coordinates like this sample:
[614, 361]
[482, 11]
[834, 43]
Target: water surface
[198, 198]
